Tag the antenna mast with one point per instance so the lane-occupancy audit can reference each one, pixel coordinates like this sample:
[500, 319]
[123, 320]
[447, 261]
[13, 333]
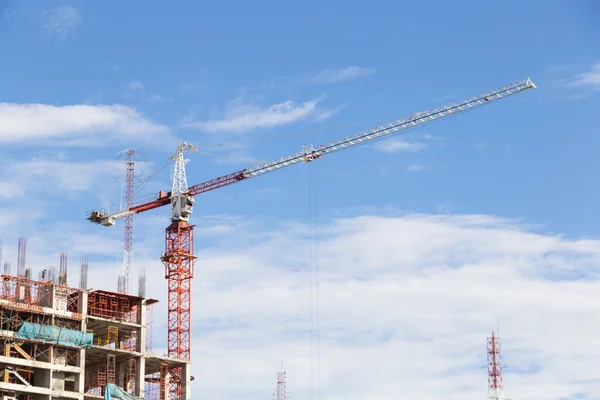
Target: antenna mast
[494, 365]
[281, 392]
[124, 282]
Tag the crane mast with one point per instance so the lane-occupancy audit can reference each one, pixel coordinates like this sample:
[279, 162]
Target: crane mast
[179, 258]
[181, 203]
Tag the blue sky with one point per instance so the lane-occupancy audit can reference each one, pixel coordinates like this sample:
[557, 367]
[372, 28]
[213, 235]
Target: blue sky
[82, 81]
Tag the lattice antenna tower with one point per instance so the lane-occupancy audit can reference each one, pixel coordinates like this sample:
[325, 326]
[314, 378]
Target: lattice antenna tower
[495, 368]
[281, 392]
[130, 157]
[0, 251]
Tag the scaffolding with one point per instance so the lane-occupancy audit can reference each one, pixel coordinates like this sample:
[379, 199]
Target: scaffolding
[131, 376]
[152, 386]
[110, 305]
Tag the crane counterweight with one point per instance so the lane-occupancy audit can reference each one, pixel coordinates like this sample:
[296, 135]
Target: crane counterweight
[182, 207]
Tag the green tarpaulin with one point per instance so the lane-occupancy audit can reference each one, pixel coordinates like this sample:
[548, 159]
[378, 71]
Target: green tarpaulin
[113, 392]
[55, 334]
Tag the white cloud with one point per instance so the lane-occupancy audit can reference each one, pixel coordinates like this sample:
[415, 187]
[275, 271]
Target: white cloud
[61, 21]
[415, 168]
[589, 79]
[85, 125]
[410, 296]
[136, 86]
[394, 145]
[64, 179]
[340, 75]
[413, 297]
[9, 190]
[241, 117]
[63, 175]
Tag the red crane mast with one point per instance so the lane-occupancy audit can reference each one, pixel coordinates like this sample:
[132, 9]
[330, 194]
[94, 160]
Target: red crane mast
[179, 257]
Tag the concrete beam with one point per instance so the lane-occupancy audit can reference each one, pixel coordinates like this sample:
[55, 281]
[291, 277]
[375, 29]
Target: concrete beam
[108, 321]
[39, 390]
[12, 305]
[40, 364]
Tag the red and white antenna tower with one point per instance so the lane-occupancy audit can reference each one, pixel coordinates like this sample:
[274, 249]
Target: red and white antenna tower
[281, 392]
[494, 366]
[130, 160]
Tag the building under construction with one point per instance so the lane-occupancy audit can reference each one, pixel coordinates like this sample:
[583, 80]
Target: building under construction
[60, 342]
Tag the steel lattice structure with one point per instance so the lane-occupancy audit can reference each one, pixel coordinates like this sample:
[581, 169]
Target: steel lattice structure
[281, 386]
[130, 160]
[179, 262]
[494, 367]
[179, 258]
[128, 250]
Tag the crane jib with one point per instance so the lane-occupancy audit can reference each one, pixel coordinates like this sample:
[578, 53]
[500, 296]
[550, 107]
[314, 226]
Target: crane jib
[217, 183]
[414, 120]
[310, 154]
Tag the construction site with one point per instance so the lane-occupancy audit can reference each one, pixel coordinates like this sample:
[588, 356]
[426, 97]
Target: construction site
[63, 342]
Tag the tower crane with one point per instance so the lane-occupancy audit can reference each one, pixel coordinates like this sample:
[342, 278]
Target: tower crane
[179, 257]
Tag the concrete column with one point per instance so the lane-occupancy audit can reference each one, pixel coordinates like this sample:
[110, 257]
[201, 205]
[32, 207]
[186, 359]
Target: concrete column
[83, 304]
[140, 377]
[121, 370]
[80, 378]
[186, 381]
[43, 378]
[141, 338]
[53, 297]
[141, 347]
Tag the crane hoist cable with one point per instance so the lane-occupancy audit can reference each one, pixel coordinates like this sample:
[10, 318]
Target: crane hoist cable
[315, 324]
[310, 284]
